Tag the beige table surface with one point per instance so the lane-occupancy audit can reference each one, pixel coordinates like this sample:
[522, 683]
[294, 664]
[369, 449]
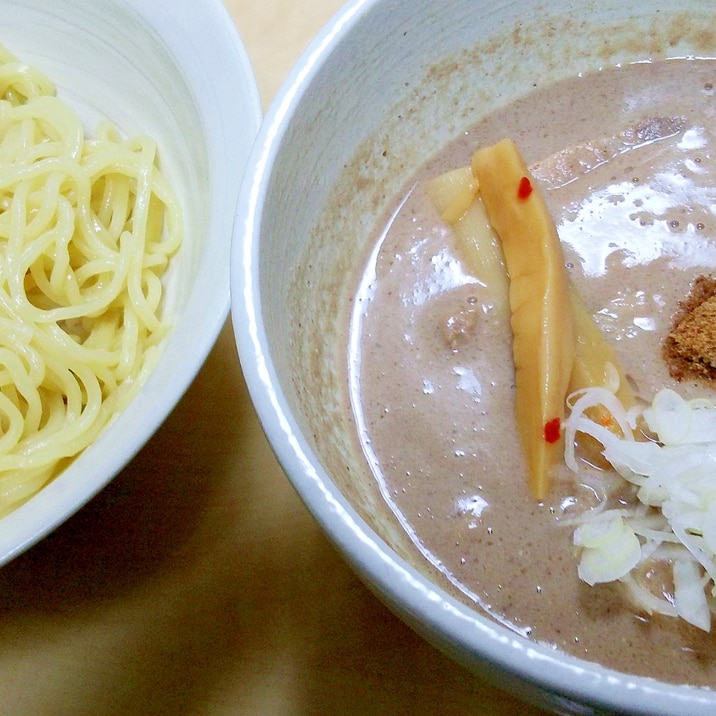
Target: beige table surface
[197, 583]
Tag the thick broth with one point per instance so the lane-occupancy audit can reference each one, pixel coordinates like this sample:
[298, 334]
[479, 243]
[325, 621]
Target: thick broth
[626, 159]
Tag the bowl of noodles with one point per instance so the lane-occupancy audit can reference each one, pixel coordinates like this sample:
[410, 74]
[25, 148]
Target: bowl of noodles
[472, 294]
[124, 129]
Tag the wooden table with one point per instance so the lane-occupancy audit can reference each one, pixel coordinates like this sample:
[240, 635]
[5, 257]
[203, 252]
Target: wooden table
[197, 583]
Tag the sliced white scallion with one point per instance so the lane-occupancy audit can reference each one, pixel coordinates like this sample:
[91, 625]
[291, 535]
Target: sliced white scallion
[610, 549]
[689, 596]
[676, 480]
[680, 422]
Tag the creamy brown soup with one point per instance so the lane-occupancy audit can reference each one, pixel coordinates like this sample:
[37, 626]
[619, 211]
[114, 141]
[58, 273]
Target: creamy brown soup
[627, 160]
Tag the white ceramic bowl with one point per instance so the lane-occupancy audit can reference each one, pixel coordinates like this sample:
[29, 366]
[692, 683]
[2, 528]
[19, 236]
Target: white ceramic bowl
[177, 70]
[406, 77]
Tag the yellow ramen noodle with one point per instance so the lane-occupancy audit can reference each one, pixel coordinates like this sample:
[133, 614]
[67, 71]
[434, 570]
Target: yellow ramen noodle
[87, 229]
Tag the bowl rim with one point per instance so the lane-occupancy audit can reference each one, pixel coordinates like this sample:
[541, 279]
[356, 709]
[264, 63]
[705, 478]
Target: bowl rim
[568, 683]
[214, 30]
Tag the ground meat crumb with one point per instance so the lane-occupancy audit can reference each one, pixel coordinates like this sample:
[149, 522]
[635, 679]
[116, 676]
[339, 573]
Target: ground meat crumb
[690, 347]
[459, 327]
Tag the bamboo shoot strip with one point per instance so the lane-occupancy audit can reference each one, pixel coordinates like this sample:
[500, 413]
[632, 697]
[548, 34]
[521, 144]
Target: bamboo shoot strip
[541, 316]
[454, 196]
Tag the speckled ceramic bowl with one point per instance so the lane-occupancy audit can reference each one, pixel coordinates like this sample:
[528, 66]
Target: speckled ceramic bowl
[384, 85]
[178, 71]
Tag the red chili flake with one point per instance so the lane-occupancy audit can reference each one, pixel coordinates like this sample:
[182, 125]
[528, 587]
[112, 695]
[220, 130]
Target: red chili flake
[552, 429]
[524, 189]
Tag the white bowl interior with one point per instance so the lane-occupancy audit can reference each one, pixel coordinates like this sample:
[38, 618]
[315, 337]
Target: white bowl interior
[381, 88]
[178, 71]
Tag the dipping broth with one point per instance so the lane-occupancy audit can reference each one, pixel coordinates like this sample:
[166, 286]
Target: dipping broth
[626, 160]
